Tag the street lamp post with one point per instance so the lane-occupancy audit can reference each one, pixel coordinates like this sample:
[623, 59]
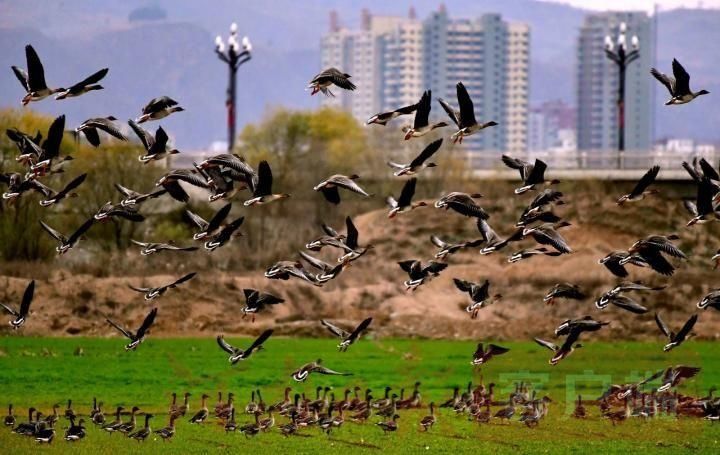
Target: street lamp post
[619, 53]
[235, 55]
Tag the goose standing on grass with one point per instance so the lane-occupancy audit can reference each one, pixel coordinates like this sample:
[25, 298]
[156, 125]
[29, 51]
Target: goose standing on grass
[152, 293]
[302, 373]
[156, 147]
[711, 300]
[421, 125]
[256, 302]
[67, 243]
[462, 203]
[263, 190]
[91, 126]
[202, 413]
[479, 294]
[676, 339]
[22, 313]
[329, 187]
[169, 431]
[328, 77]
[113, 426]
[209, 228]
[237, 354]
[88, 84]
[158, 108]
[139, 336]
[703, 210]
[389, 426]
[564, 291]
[150, 248]
[428, 421]
[675, 375]
[465, 117]
[532, 175]
[75, 432]
[10, 419]
[564, 350]
[33, 81]
[546, 234]
[143, 432]
[404, 203]
[129, 426]
[483, 356]
[419, 274]
[384, 117]
[641, 188]
[419, 162]
[678, 86]
[132, 198]
[227, 233]
[67, 191]
[346, 338]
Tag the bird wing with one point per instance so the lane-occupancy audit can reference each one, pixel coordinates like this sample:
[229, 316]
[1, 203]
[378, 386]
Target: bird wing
[452, 113]
[665, 80]
[55, 234]
[9, 310]
[149, 319]
[467, 111]
[662, 326]
[488, 234]
[332, 195]
[144, 135]
[92, 79]
[494, 349]
[465, 205]
[176, 191]
[197, 220]
[422, 114]
[329, 230]
[427, 153]
[161, 140]
[142, 244]
[109, 127]
[546, 344]
[27, 299]
[183, 279]
[657, 262]
[348, 184]
[651, 378]
[323, 370]
[705, 193]
[435, 267]
[231, 227]
[408, 265]
[80, 231]
[555, 239]
[224, 345]
[480, 293]
[51, 146]
[407, 109]
[708, 170]
[691, 207]
[35, 71]
[120, 329]
[684, 331]
[92, 136]
[686, 372]
[218, 218]
[690, 170]
[158, 104]
[76, 182]
[626, 303]
[340, 79]
[335, 330]
[537, 175]
[515, 163]
[259, 341]
[351, 239]
[438, 242]
[360, 328]
[645, 181]
[22, 76]
[462, 285]
[407, 193]
[265, 178]
[682, 78]
[315, 262]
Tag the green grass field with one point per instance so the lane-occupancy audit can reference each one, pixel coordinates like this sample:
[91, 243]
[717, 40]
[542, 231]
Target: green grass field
[40, 372]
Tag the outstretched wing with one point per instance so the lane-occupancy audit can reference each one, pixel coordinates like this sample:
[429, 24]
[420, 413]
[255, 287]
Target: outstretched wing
[665, 80]
[546, 344]
[682, 78]
[35, 71]
[351, 239]
[92, 79]
[450, 111]
[662, 326]
[55, 234]
[183, 279]
[407, 193]
[224, 345]
[323, 370]
[497, 350]
[335, 330]
[360, 328]
[120, 329]
[467, 110]
[427, 153]
[149, 319]
[265, 179]
[218, 218]
[22, 76]
[422, 114]
[80, 231]
[684, 332]
[646, 181]
[27, 298]
[145, 137]
[259, 341]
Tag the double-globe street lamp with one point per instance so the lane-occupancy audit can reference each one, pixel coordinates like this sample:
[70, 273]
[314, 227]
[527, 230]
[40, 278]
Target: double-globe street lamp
[234, 53]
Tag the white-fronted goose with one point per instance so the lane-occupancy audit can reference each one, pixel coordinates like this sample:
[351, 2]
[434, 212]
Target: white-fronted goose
[346, 338]
[404, 203]
[202, 413]
[24, 310]
[256, 301]
[531, 174]
[676, 339]
[462, 203]
[651, 249]
[546, 234]
[156, 147]
[492, 240]
[151, 248]
[139, 336]
[384, 117]
[482, 355]
[389, 426]
[465, 117]
[88, 84]
[10, 419]
[675, 375]
[154, 292]
[419, 274]
[171, 183]
[209, 228]
[627, 286]
[143, 432]
[703, 210]
[326, 272]
[421, 125]
[129, 426]
[17, 185]
[233, 166]
[641, 188]
[564, 291]
[302, 373]
[91, 126]
[331, 238]
[328, 77]
[75, 432]
[419, 162]
[711, 300]
[113, 426]
[329, 187]
[132, 198]
[33, 81]
[585, 324]
[621, 301]
[263, 190]
[227, 232]
[530, 252]
[158, 108]
[67, 191]
[67, 243]
[613, 262]
[447, 248]
[560, 352]
[678, 86]
[169, 431]
[283, 270]
[350, 243]
[110, 210]
[479, 295]
[237, 354]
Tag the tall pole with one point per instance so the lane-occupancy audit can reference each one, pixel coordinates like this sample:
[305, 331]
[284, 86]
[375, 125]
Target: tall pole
[231, 108]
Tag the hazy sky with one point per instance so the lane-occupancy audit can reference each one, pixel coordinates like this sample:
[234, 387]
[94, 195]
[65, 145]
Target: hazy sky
[638, 4]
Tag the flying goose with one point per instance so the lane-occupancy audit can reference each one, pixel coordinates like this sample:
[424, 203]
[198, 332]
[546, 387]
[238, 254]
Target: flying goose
[151, 293]
[346, 338]
[465, 117]
[42, 158]
[641, 188]
[539, 204]
[263, 190]
[331, 238]
[350, 243]
[326, 272]
[532, 175]
[479, 295]
[530, 252]
[538, 216]
[226, 233]
[651, 250]
[421, 125]
[57, 196]
[404, 203]
[158, 108]
[283, 270]
[88, 84]
[711, 300]
[256, 301]
[492, 240]
[419, 162]
[447, 248]
[220, 182]
[328, 77]
[132, 198]
[150, 248]
[703, 211]
[419, 274]
[234, 166]
[629, 389]
[67, 243]
[676, 339]
[482, 355]
[564, 291]
[33, 81]
[155, 146]
[463, 204]
[110, 210]
[621, 301]
[91, 126]
[675, 375]
[546, 234]
[329, 187]
[171, 183]
[22, 313]
[678, 86]
[585, 324]
[143, 432]
[237, 354]
[567, 348]
[139, 336]
[17, 185]
[384, 117]
[626, 286]
[302, 373]
[209, 228]
[613, 262]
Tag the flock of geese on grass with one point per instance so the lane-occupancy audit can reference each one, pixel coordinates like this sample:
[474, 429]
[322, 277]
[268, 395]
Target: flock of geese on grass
[225, 175]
